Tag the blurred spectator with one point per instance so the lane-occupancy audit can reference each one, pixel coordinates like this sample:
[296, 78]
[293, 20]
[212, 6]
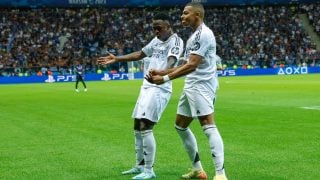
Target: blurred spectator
[254, 36]
[313, 11]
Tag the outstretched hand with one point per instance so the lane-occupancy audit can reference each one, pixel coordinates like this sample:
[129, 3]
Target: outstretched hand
[109, 59]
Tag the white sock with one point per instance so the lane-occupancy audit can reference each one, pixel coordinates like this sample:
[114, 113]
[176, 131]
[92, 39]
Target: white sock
[190, 144]
[149, 148]
[138, 148]
[216, 146]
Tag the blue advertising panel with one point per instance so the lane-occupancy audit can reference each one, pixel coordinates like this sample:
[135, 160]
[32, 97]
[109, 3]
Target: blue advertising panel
[269, 71]
[139, 3]
[139, 75]
[62, 78]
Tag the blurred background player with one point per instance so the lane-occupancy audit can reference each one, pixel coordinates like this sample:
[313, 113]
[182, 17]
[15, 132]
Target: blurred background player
[163, 51]
[79, 76]
[198, 96]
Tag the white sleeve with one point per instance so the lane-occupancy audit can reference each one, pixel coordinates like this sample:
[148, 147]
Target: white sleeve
[148, 49]
[201, 46]
[176, 48]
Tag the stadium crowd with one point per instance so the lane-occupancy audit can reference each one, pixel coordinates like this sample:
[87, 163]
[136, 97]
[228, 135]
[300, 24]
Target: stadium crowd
[33, 40]
[313, 12]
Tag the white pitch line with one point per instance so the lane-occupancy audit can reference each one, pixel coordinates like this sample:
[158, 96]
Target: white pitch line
[311, 107]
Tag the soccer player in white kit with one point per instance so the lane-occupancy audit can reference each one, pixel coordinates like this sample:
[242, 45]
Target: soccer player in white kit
[198, 96]
[163, 51]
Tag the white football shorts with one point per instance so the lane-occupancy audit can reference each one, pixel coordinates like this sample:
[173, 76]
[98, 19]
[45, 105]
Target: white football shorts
[196, 102]
[151, 103]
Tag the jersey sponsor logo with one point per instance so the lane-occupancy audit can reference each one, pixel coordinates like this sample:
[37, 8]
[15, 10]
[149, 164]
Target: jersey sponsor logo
[159, 51]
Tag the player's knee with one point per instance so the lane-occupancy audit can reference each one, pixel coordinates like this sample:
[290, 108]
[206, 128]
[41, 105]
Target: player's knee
[179, 128]
[181, 125]
[136, 125]
[206, 120]
[183, 121]
[143, 124]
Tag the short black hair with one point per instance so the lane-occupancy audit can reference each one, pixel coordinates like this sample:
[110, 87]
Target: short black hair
[198, 6]
[161, 16]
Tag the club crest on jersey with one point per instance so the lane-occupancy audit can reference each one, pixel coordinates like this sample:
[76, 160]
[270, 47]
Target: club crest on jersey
[196, 46]
[175, 50]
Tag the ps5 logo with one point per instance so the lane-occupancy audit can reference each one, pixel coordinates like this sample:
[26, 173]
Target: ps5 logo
[228, 72]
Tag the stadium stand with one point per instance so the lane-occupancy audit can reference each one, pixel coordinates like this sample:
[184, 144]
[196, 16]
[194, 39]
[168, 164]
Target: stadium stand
[53, 38]
[313, 11]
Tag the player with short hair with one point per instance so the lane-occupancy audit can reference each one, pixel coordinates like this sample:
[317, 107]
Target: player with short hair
[79, 69]
[198, 96]
[163, 51]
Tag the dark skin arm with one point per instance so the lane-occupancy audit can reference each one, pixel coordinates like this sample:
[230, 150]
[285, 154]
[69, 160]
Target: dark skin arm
[110, 58]
[177, 72]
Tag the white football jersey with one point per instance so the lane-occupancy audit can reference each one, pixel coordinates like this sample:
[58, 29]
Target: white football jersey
[203, 43]
[146, 62]
[159, 51]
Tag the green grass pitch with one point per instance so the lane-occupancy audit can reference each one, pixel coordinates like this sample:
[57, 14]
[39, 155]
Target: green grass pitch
[270, 126]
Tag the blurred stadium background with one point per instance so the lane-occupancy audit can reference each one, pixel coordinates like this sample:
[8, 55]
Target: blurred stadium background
[41, 35]
[270, 124]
